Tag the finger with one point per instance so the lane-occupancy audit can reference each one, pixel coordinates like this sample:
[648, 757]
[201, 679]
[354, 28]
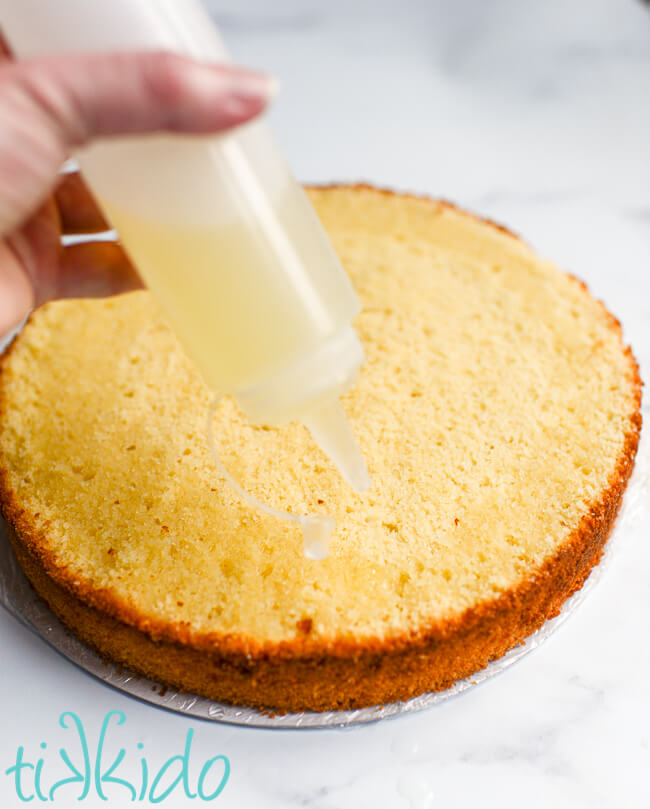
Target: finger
[95, 270]
[16, 292]
[37, 245]
[78, 210]
[49, 107]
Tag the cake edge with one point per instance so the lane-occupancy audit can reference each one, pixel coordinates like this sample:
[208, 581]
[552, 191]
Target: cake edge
[320, 674]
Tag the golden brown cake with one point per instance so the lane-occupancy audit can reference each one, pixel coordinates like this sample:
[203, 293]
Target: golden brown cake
[498, 411]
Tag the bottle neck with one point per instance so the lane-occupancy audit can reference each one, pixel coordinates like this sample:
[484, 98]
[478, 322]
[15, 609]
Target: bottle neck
[322, 374]
[307, 390]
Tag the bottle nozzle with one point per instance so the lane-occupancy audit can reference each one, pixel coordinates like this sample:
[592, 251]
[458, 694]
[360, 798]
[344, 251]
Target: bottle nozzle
[329, 427]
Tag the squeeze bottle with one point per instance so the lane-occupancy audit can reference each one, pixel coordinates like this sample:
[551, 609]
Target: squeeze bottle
[219, 230]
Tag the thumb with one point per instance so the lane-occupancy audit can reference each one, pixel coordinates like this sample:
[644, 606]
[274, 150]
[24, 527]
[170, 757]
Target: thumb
[48, 107]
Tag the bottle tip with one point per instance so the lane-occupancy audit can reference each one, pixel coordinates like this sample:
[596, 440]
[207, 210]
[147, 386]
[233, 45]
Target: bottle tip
[357, 475]
[329, 427]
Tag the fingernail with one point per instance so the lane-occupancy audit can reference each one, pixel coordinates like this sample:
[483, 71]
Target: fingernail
[248, 86]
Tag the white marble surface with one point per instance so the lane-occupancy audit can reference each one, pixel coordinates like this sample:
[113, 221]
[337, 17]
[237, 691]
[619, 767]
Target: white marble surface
[538, 115]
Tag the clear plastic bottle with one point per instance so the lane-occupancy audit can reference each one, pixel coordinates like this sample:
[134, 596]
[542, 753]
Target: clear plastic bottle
[219, 230]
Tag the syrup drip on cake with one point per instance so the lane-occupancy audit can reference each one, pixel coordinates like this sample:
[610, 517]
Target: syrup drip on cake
[317, 529]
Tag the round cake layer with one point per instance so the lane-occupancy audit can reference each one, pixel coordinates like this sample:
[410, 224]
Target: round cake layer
[498, 411]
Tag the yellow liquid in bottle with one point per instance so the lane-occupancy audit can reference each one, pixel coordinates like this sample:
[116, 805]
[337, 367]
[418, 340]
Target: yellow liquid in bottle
[242, 298]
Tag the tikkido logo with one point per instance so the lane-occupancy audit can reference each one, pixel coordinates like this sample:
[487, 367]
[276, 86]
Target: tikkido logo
[85, 775]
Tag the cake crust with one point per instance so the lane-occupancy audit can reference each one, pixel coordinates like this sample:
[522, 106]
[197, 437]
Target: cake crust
[312, 673]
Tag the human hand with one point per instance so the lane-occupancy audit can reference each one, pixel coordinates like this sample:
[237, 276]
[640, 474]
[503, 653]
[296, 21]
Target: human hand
[49, 107]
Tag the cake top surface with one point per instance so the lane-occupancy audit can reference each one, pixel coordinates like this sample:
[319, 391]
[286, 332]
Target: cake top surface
[494, 408]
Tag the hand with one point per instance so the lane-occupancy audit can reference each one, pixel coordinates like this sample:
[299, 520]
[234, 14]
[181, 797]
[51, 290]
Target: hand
[49, 107]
